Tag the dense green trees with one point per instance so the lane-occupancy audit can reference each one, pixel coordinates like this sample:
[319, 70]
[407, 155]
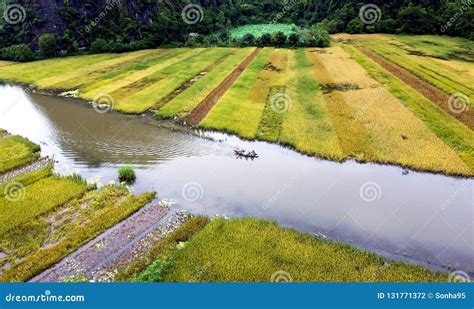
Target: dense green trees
[128, 25]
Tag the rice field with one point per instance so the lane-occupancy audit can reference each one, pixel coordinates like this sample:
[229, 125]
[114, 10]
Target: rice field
[337, 103]
[16, 151]
[288, 253]
[44, 217]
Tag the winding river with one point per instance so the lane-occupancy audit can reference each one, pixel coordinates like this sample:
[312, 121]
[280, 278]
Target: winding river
[417, 217]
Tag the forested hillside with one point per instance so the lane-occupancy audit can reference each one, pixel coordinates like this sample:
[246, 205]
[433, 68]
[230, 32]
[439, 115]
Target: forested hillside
[129, 25]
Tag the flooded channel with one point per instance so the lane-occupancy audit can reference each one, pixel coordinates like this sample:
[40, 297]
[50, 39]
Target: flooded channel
[417, 217]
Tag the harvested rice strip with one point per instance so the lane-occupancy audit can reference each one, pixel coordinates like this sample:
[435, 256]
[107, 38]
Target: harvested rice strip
[57, 80]
[185, 102]
[172, 78]
[240, 109]
[114, 84]
[352, 136]
[33, 71]
[398, 136]
[80, 82]
[308, 126]
[453, 133]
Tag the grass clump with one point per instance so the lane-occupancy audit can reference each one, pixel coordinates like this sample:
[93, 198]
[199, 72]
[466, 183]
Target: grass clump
[127, 174]
[17, 151]
[251, 250]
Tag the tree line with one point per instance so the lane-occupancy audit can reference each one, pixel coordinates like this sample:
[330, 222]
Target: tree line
[113, 25]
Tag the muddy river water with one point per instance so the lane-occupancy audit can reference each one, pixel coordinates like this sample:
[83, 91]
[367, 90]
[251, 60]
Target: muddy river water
[418, 217]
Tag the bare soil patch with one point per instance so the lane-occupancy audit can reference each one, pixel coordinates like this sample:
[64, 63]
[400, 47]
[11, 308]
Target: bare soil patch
[198, 114]
[429, 91]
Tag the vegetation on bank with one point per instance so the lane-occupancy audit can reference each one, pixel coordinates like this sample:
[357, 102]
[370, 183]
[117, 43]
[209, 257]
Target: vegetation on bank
[16, 151]
[250, 250]
[126, 174]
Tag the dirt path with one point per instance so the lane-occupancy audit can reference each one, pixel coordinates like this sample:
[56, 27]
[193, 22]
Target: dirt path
[198, 114]
[429, 91]
[35, 166]
[116, 247]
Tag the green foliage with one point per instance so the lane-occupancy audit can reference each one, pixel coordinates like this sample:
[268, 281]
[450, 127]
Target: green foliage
[265, 39]
[127, 174]
[321, 37]
[279, 39]
[251, 250]
[100, 46]
[260, 29]
[20, 52]
[48, 45]
[248, 40]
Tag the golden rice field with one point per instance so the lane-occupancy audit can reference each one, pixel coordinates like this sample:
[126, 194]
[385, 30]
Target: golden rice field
[372, 98]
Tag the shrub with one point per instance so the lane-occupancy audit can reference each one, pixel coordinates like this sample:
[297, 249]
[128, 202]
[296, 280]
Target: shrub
[266, 39]
[19, 52]
[321, 37]
[127, 174]
[48, 45]
[293, 40]
[248, 40]
[99, 46]
[355, 26]
[279, 39]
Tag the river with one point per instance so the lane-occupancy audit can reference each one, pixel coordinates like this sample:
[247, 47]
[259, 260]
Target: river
[417, 217]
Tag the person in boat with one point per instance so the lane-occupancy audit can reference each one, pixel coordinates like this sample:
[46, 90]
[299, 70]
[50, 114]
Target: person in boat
[252, 154]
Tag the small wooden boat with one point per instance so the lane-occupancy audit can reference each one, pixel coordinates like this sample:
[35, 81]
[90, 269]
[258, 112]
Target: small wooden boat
[245, 154]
